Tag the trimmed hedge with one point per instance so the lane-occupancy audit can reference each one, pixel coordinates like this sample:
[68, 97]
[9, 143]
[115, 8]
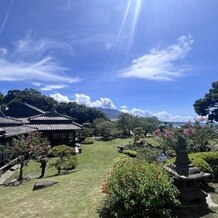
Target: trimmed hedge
[207, 161]
[66, 163]
[130, 153]
[61, 151]
[88, 140]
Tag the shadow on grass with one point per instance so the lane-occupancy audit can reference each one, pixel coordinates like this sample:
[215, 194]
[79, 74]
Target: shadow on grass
[61, 174]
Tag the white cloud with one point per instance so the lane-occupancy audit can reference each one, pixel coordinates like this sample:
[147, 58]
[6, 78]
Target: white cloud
[135, 111]
[53, 87]
[165, 116]
[162, 115]
[37, 83]
[86, 100]
[60, 98]
[162, 64]
[32, 60]
[30, 45]
[3, 51]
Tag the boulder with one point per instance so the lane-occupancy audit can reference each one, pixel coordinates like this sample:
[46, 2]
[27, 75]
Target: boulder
[43, 184]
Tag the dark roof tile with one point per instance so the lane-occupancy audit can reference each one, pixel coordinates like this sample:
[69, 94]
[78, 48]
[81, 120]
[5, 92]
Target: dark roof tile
[44, 127]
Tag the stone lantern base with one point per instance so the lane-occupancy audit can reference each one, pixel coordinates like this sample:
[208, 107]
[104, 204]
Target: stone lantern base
[187, 179]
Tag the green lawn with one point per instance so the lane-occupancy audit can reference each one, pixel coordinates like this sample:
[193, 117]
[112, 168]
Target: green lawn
[76, 195]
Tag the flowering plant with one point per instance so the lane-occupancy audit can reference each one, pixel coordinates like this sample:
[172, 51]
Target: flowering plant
[196, 136]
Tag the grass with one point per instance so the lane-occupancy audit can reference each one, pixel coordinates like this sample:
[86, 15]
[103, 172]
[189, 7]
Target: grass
[76, 195]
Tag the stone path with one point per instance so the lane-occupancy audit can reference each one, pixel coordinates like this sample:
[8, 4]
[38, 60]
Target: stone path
[6, 175]
[210, 202]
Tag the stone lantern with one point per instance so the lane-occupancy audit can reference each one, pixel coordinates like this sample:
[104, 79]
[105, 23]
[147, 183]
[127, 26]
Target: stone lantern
[187, 177]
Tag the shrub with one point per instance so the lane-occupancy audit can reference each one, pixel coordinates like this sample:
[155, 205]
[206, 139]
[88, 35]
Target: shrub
[61, 151]
[137, 189]
[130, 153]
[149, 154]
[207, 161]
[88, 140]
[66, 163]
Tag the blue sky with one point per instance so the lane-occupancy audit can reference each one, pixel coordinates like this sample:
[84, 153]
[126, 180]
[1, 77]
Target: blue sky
[140, 56]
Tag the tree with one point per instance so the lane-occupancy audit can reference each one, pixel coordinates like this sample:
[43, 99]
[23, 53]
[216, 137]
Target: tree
[1, 98]
[30, 96]
[80, 113]
[138, 133]
[33, 146]
[208, 105]
[67, 158]
[105, 129]
[125, 122]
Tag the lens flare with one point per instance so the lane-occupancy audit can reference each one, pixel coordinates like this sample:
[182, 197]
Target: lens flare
[125, 36]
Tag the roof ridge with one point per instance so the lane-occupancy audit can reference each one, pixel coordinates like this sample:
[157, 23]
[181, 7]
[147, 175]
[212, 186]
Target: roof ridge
[33, 107]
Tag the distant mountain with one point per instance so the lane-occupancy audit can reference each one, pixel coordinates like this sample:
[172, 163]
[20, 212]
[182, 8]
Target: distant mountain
[111, 113]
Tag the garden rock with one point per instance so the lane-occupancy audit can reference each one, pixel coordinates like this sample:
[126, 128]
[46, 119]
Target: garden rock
[43, 184]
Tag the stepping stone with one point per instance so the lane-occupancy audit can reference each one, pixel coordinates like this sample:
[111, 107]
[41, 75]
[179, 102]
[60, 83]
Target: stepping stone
[15, 167]
[43, 184]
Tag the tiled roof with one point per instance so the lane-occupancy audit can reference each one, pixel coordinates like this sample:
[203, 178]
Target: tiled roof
[50, 116]
[44, 117]
[34, 108]
[1, 113]
[17, 130]
[23, 110]
[24, 120]
[44, 127]
[7, 121]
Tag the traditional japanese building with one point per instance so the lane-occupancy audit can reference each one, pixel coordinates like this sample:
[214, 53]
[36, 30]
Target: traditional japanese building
[23, 111]
[10, 128]
[59, 129]
[23, 119]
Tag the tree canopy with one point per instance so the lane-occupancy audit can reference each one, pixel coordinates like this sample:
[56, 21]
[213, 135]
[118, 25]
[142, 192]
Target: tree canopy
[79, 113]
[128, 122]
[208, 105]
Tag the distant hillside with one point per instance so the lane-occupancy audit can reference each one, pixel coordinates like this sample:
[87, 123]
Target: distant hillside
[111, 113]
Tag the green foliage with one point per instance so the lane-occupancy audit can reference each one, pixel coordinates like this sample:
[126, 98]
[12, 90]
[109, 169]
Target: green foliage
[208, 104]
[30, 96]
[66, 163]
[33, 146]
[61, 151]
[137, 189]
[202, 164]
[105, 129]
[1, 98]
[207, 161]
[138, 133]
[127, 123]
[88, 140]
[67, 158]
[197, 137]
[130, 153]
[149, 154]
[86, 131]
[80, 113]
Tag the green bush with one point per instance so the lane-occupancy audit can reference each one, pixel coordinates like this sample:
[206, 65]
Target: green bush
[207, 161]
[66, 163]
[130, 153]
[137, 189]
[88, 140]
[61, 151]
